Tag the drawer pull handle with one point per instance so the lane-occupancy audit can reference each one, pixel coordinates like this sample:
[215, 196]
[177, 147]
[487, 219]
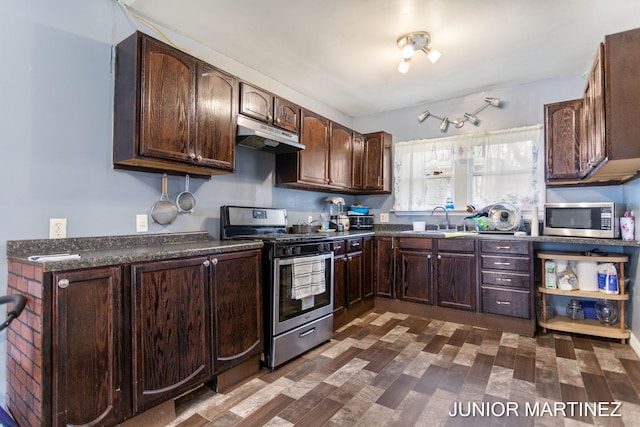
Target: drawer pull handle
[503, 247]
[500, 279]
[501, 263]
[503, 302]
[305, 333]
[63, 283]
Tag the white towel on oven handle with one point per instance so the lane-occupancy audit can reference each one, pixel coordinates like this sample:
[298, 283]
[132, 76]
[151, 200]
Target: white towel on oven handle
[308, 276]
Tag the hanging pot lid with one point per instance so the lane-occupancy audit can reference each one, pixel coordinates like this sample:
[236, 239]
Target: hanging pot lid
[504, 216]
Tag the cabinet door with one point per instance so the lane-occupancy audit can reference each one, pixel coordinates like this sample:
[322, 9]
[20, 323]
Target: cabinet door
[237, 308]
[168, 87]
[354, 278]
[384, 267]
[170, 321]
[256, 103]
[357, 161]
[595, 147]
[416, 276]
[457, 280]
[286, 115]
[564, 140]
[368, 267]
[377, 163]
[88, 344]
[340, 156]
[339, 284]
[314, 159]
[217, 116]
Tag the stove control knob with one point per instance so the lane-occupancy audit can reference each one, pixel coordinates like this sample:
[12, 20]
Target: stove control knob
[287, 251]
[296, 250]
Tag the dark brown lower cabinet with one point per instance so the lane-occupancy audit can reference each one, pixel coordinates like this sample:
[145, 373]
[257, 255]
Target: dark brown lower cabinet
[89, 342]
[237, 308]
[384, 254]
[170, 328]
[456, 267]
[352, 279]
[415, 270]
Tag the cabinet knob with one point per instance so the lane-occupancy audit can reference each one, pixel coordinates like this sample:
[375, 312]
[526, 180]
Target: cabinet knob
[439, 256]
[270, 117]
[192, 156]
[206, 263]
[214, 261]
[278, 121]
[199, 158]
[429, 256]
[63, 283]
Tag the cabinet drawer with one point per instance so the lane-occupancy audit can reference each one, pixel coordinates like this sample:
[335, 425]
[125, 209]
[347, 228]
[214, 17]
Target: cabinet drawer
[457, 245]
[506, 302]
[354, 245]
[504, 247]
[510, 280]
[415, 243]
[339, 247]
[505, 263]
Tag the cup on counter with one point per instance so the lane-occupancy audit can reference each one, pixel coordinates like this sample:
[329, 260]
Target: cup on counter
[419, 225]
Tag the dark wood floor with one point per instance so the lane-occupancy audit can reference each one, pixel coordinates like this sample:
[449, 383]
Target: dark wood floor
[388, 369]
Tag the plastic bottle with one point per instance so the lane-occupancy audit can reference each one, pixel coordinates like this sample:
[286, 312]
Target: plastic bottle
[449, 204]
[324, 219]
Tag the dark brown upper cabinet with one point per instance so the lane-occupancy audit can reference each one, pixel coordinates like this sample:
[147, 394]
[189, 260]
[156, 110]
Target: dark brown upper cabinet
[564, 140]
[610, 152]
[173, 112]
[269, 108]
[377, 163]
[341, 157]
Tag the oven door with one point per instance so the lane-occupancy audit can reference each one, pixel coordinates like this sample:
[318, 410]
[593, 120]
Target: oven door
[293, 305]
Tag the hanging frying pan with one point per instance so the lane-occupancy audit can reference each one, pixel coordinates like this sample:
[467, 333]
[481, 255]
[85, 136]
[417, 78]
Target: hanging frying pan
[186, 201]
[164, 212]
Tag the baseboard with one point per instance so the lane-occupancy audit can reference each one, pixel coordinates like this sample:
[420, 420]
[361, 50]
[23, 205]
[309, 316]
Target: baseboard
[634, 343]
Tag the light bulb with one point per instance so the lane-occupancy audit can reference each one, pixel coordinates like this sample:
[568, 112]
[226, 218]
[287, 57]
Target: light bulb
[423, 116]
[403, 67]
[407, 51]
[433, 55]
[444, 124]
[472, 118]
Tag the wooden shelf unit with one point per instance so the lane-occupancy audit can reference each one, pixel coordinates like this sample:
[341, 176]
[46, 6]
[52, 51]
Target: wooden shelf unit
[587, 326]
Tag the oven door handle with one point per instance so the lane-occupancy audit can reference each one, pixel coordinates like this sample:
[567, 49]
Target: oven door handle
[308, 332]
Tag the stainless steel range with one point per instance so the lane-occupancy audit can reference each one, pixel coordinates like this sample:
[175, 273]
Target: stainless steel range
[297, 280]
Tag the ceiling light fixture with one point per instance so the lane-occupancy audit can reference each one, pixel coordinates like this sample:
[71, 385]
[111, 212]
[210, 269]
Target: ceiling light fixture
[412, 42]
[468, 117]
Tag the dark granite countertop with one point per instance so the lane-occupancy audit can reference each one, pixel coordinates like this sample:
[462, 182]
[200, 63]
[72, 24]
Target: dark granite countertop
[117, 250]
[537, 239]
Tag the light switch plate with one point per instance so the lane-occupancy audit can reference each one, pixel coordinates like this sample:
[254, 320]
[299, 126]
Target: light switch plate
[142, 223]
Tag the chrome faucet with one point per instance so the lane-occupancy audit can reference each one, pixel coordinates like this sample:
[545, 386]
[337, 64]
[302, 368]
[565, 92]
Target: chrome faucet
[446, 216]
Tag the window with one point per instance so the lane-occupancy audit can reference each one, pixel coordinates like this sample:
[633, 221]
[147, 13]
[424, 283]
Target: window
[478, 169]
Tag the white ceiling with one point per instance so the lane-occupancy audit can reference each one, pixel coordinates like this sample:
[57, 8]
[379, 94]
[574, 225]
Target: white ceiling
[344, 53]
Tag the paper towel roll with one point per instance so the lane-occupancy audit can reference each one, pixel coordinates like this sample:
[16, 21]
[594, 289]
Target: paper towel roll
[587, 272]
[534, 221]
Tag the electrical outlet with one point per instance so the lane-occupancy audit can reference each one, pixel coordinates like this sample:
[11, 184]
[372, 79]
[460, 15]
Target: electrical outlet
[142, 223]
[309, 219]
[384, 217]
[57, 228]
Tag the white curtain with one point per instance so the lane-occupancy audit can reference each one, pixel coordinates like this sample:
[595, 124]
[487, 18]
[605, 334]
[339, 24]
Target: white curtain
[500, 166]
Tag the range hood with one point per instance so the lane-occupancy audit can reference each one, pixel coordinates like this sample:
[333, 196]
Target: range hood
[260, 136]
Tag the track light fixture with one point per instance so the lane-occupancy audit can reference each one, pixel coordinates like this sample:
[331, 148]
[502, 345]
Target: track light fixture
[410, 43]
[468, 117]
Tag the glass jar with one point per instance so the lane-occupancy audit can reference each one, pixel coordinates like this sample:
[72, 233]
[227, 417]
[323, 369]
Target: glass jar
[574, 310]
[606, 312]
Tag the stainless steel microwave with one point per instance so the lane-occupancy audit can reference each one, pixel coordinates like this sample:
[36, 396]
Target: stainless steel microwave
[600, 219]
